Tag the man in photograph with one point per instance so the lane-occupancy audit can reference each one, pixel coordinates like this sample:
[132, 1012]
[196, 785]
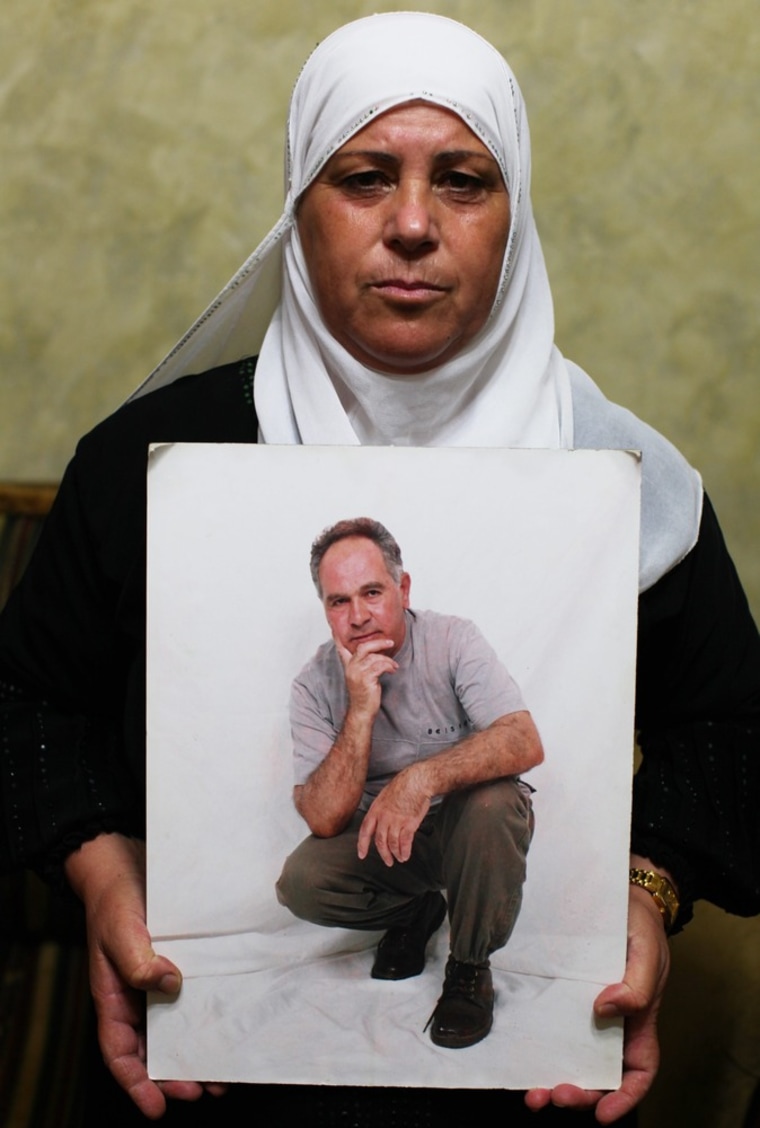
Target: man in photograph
[409, 740]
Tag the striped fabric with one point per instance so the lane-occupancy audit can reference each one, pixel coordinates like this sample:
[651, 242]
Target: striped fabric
[44, 1006]
[44, 1011]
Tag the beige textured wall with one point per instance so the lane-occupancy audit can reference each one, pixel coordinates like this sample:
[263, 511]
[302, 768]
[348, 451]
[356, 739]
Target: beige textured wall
[141, 158]
[140, 150]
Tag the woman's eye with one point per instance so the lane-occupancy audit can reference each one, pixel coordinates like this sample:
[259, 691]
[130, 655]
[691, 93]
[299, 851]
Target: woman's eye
[462, 184]
[364, 183]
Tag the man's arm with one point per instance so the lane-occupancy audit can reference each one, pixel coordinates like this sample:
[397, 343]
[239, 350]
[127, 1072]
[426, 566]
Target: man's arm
[509, 746]
[332, 793]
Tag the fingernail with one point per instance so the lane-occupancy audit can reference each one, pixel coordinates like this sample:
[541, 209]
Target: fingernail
[607, 1010]
[170, 983]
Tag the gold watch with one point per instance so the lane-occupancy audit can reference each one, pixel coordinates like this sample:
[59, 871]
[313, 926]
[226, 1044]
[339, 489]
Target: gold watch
[662, 892]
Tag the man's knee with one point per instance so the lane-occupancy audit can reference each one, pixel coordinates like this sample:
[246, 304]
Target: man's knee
[320, 877]
[297, 884]
[499, 809]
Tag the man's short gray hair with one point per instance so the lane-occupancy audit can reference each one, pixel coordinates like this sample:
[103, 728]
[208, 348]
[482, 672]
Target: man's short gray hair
[357, 527]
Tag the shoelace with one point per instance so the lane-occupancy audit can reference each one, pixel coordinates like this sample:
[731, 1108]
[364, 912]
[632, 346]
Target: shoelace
[459, 980]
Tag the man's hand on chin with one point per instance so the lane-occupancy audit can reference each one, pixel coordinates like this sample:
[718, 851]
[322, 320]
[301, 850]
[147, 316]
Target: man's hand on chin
[363, 670]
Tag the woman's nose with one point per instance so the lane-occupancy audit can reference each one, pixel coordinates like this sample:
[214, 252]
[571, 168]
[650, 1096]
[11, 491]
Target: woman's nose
[412, 223]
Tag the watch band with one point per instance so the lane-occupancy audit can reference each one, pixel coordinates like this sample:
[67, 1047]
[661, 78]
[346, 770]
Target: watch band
[661, 891]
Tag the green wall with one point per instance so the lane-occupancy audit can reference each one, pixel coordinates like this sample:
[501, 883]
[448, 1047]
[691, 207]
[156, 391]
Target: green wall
[141, 156]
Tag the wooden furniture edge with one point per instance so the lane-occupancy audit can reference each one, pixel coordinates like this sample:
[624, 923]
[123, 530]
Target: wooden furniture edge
[32, 499]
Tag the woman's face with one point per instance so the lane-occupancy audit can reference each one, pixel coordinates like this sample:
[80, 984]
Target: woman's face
[404, 232]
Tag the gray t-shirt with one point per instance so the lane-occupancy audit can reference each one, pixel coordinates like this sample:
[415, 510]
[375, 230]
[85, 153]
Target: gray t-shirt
[449, 684]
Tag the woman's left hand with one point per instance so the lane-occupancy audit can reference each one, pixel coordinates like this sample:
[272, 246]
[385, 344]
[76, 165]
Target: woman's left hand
[108, 874]
[637, 999]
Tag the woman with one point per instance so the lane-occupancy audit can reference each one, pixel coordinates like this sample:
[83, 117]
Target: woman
[401, 298]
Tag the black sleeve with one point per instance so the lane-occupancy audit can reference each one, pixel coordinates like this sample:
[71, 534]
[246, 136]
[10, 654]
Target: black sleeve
[72, 636]
[697, 792]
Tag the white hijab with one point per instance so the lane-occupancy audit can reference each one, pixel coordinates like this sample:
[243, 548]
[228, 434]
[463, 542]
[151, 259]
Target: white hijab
[509, 386]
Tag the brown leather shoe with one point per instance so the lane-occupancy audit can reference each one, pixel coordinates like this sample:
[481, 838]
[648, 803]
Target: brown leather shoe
[401, 952]
[464, 1013]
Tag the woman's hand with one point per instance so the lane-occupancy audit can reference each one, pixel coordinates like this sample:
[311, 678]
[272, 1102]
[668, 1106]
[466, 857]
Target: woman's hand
[108, 874]
[638, 999]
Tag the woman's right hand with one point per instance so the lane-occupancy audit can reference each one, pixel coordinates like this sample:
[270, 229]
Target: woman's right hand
[108, 874]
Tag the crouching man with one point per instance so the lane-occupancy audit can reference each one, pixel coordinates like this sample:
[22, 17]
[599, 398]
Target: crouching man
[409, 739]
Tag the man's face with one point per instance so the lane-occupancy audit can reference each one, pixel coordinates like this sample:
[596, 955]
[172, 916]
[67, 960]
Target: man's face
[404, 233]
[361, 599]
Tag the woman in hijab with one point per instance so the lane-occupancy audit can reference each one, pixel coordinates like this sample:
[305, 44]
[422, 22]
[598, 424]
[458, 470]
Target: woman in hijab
[401, 298]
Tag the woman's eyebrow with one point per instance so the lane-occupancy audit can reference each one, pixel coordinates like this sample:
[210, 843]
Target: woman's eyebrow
[388, 157]
[380, 156]
[451, 156]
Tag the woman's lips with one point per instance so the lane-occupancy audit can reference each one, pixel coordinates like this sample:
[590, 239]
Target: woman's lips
[404, 290]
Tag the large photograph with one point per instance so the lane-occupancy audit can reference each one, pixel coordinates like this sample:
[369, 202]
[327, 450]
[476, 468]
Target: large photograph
[390, 737]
